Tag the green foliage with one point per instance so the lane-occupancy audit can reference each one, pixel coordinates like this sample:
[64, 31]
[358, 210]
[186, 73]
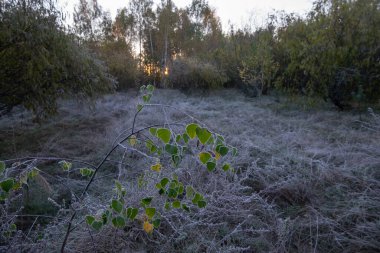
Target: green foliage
[7, 184]
[163, 134]
[191, 73]
[118, 57]
[171, 189]
[204, 157]
[40, 62]
[86, 172]
[116, 205]
[203, 134]
[66, 166]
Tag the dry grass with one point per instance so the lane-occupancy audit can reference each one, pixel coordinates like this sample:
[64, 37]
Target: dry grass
[306, 180]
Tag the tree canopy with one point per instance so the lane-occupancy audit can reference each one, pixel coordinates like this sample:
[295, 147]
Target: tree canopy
[41, 61]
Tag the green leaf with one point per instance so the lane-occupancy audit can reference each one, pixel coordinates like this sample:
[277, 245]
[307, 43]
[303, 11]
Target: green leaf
[202, 204]
[153, 131]
[150, 146]
[234, 151]
[117, 205]
[33, 173]
[211, 165]
[156, 223]
[66, 166]
[139, 107]
[118, 222]
[90, 219]
[197, 198]
[7, 184]
[132, 213]
[105, 216]
[2, 167]
[180, 189]
[176, 160]
[13, 227]
[97, 225]
[219, 139]
[164, 135]
[203, 134]
[178, 138]
[204, 157]
[146, 201]
[167, 206]
[185, 138]
[172, 193]
[3, 196]
[150, 88]
[177, 204]
[150, 212]
[223, 150]
[118, 185]
[226, 167]
[147, 97]
[173, 184]
[164, 181]
[191, 130]
[86, 172]
[189, 192]
[171, 149]
[185, 207]
[157, 167]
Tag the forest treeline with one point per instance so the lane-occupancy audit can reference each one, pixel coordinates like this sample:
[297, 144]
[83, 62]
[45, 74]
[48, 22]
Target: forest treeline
[332, 53]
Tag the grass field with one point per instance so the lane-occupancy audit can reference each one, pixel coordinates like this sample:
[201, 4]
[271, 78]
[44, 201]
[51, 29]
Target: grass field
[307, 178]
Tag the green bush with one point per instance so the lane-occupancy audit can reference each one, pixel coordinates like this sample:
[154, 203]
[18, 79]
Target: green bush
[40, 62]
[192, 73]
[120, 61]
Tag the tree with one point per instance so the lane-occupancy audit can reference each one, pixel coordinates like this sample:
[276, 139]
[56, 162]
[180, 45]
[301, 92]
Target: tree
[88, 19]
[40, 62]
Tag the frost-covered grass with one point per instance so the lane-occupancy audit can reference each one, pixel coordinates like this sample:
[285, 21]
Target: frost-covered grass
[307, 180]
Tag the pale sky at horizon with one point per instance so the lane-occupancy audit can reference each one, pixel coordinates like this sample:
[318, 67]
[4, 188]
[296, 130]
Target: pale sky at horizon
[236, 11]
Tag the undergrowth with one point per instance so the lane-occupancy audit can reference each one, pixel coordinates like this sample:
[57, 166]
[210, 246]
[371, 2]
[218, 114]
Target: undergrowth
[304, 181]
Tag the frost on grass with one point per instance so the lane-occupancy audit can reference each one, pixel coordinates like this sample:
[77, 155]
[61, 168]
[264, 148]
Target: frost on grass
[305, 181]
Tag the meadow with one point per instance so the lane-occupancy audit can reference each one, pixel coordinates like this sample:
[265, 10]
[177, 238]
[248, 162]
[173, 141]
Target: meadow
[306, 178]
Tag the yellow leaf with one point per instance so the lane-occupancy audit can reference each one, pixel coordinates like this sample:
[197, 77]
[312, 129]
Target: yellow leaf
[133, 140]
[157, 167]
[148, 227]
[217, 156]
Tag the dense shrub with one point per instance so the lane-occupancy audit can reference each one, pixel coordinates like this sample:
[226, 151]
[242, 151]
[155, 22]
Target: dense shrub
[187, 73]
[40, 62]
[120, 61]
[333, 53]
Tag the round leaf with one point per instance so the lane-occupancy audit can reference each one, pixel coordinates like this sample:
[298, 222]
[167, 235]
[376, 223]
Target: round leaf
[118, 222]
[203, 134]
[176, 204]
[132, 213]
[204, 157]
[164, 135]
[150, 212]
[117, 205]
[157, 167]
[7, 184]
[211, 165]
[191, 130]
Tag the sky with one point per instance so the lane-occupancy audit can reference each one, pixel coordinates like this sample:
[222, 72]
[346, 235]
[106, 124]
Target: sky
[238, 12]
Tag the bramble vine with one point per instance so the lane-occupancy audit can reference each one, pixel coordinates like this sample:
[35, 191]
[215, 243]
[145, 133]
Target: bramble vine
[169, 142]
